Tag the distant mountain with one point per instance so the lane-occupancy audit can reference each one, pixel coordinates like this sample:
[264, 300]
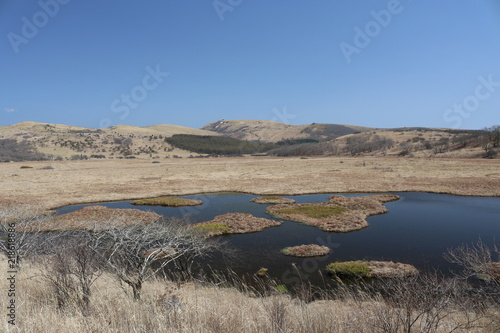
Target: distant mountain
[44, 141]
[271, 131]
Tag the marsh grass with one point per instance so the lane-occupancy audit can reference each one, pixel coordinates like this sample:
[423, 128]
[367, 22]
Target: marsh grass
[213, 228]
[313, 211]
[228, 306]
[272, 200]
[167, 201]
[349, 269]
[375, 269]
[310, 250]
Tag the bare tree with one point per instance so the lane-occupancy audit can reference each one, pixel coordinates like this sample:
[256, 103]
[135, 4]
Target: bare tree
[76, 261]
[137, 253]
[22, 228]
[477, 260]
[422, 303]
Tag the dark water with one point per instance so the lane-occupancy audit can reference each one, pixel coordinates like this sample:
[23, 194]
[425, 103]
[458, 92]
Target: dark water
[417, 230]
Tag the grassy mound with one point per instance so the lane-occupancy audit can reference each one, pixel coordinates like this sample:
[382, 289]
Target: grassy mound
[99, 218]
[313, 211]
[213, 228]
[349, 269]
[167, 202]
[234, 223]
[311, 250]
[378, 269]
[339, 214]
[272, 200]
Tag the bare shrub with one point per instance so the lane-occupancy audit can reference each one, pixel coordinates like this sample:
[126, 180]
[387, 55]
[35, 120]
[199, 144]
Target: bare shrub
[22, 226]
[75, 263]
[477, 260]
[135, 254]
[423, 303]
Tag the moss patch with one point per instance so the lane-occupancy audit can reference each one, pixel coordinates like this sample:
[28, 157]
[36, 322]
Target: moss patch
[313, 211]
[349, 269]
[311, 250]
[234, 223]
[377, 269]
[167, 201]
[213, 228]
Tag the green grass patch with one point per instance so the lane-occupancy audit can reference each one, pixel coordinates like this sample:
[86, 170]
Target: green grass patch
[349, 269]
[281, 289]
[213, 228]
[492, 175]
[313, 211]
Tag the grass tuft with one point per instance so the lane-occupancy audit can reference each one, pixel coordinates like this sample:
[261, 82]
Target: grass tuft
[213, 228]
[349, 269]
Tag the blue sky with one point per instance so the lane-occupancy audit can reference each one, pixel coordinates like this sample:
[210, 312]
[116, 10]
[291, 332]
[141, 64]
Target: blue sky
[433, 63]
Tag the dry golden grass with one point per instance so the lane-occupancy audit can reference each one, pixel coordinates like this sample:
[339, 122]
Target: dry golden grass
[306, 250]
[390, 269]
[74, 182]
[168, 307]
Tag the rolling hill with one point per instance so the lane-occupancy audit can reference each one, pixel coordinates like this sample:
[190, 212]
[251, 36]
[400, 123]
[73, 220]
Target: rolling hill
[271, 131]
[31, 140]
[70, 142]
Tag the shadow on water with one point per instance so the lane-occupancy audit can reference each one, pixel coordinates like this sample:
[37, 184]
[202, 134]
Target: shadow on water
[417, 230]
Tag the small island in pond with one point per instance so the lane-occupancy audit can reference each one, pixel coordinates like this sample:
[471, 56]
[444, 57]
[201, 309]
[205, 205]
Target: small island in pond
[310, 250]
[272, 200]
[235, 223]
[339, 214]
[167, 202]
[98, 218]
[374, 269]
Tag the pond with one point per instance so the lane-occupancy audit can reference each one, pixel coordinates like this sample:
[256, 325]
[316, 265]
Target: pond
[417, 230]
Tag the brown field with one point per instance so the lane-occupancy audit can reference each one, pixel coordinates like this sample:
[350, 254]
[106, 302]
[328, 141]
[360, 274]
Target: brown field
[73, 182]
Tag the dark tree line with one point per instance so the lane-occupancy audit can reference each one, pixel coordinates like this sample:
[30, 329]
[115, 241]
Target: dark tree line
[217, 145]
[11, 150]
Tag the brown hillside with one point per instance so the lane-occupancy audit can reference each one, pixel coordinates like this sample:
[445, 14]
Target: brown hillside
[272, 131]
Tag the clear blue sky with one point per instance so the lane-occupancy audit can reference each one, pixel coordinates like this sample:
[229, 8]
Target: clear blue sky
[433, 63]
